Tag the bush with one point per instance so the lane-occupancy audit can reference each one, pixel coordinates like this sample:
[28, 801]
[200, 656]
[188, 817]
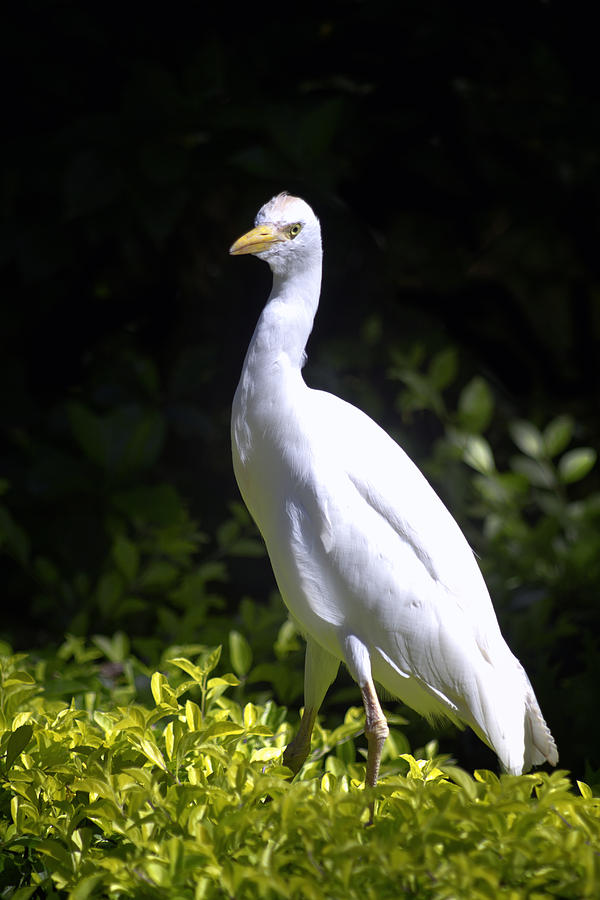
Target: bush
[185, 797]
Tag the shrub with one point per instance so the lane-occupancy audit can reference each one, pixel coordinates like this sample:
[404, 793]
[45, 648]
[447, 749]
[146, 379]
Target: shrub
[185, 797]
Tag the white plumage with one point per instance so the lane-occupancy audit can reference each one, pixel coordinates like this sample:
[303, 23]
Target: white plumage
[369, 562]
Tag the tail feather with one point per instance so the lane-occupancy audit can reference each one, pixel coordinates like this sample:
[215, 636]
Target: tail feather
[540, 746]
[510, 717]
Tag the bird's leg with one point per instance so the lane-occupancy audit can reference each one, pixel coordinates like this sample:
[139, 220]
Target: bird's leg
[298, 749]
[357, 658]
[376, 731]
[320, 669]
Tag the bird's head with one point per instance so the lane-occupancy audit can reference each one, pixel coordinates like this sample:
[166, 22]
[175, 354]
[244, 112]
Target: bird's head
[286, 233]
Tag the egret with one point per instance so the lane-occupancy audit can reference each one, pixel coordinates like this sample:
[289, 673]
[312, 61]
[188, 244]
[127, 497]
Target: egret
[369, 562]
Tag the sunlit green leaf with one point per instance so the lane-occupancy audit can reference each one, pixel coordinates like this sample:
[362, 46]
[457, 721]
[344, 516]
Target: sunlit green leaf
[209, 660]
[157, 683]
[478, 454]
[193, 715]
[585, 790]
[220, 729]
[195, 672]
[18, 677]
[528, 438]
[575, 464]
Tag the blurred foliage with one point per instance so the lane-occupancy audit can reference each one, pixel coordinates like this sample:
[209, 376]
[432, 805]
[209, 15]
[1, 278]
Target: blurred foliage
[185, 796]
[452, 154]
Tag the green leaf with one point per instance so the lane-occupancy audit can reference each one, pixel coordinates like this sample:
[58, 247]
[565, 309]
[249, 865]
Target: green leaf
[193, 715]
[266, 754]
[250, 715]
[475, 405]
[109, 592]
[157, 682]
[528, 438]
[24, 893]
[116, 648]
[19, 677]
[228, 680]
[126, 556]
[158, 574]
[558, 434]
[585, 790]
[105, 721]
[478, 454]
[462, 778]
[539, 473]
[443, 368]
[240, 653]
[287, 639]
[420, 392]
[17, 742]
[151, 752]
[250, 548]
[129, 437]
[159, 504]
[576, 464]
[209, 660]
[85, 887]
[220, 729]
[188, 667]
[142, 437]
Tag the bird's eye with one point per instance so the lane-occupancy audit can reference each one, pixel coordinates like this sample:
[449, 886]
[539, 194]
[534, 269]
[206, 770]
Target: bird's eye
[294, 230]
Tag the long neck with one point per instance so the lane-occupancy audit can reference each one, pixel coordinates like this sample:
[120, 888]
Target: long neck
[271, 375]
[285, 323]
[268, 398]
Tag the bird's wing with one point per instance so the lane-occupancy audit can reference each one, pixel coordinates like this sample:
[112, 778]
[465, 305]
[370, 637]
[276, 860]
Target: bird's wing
[380, 556]
[390, 484]
[411, 579]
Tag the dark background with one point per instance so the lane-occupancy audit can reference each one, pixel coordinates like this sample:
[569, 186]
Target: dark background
[451, 152]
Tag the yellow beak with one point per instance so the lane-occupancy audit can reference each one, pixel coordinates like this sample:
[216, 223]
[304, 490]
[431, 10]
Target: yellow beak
[257, 240]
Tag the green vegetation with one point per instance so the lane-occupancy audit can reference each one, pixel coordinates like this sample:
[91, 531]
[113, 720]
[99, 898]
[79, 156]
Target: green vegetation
[185, 797]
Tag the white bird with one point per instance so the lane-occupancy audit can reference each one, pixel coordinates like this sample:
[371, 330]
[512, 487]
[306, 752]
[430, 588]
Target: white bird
[368, 560]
